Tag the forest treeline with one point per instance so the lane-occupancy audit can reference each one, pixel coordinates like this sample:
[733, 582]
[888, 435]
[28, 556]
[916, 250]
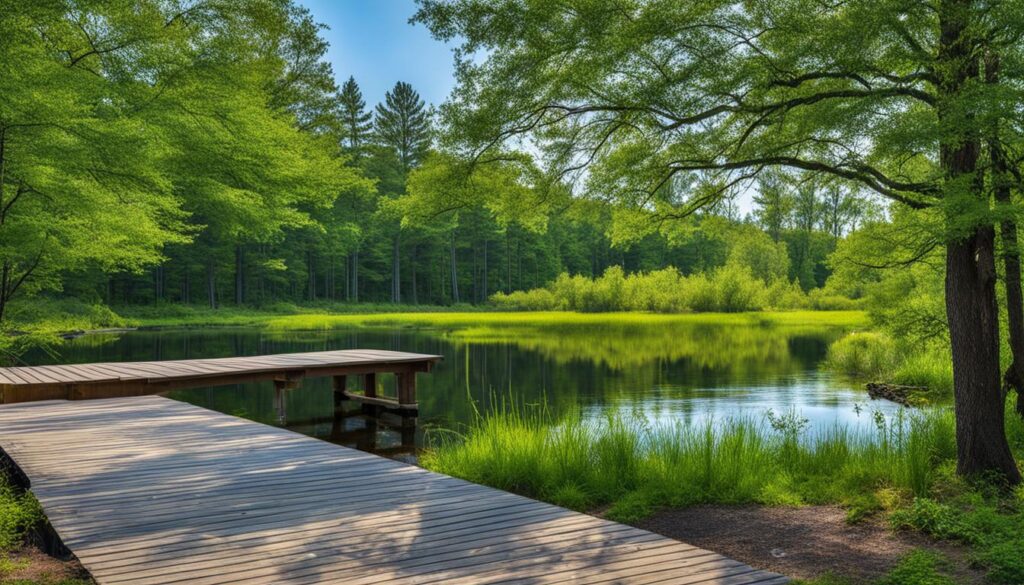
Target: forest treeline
[206, 155]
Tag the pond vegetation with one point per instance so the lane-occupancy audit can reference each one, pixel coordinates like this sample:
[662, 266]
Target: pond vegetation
[698, 221]
[629, 467]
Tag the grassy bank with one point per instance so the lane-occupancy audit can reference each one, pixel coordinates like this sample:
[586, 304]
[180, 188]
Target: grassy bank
[905, 469]
[338, 317]
[877, 357]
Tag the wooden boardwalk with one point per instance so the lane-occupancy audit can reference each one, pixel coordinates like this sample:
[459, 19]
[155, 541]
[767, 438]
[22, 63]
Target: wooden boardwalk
[147, 490]
[107, 380]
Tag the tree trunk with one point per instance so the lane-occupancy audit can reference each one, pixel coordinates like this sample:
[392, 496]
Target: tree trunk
[311, 276]
[415, 294]
[354, 272]
[485, 272]
[396, 280]
[158, 283]
[239, 275]
[970, 278]
[455, 272]
[1014, 376]
[974, 333]
[211, 284]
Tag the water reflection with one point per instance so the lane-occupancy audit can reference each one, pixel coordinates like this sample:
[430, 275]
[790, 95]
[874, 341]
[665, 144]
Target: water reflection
[668, 372]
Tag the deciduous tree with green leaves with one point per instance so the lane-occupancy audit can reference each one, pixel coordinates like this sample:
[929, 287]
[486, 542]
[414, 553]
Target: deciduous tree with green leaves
[891, 95]
[79, 170]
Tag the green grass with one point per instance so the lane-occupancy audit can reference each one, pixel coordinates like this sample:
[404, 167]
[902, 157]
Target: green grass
[876, 357]
[290, 317]
[630, 464]
[919, 567]
[631, 467]
[556, 319]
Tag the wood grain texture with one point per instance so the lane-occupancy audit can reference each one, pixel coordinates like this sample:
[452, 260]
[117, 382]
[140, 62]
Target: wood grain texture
[108, 380]
[150, 491]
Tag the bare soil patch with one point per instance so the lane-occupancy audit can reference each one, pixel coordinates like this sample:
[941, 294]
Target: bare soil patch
[803, 542]
[31, 565]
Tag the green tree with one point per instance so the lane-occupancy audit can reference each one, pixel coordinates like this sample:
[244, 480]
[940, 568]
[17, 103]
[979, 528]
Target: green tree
[79, 179]
[357, 122]
[884, 93]
[401, 125]
[773, 204]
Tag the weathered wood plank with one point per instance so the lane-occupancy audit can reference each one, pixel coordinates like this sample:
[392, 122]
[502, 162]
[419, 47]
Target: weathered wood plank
[149, 491]
[105, 380]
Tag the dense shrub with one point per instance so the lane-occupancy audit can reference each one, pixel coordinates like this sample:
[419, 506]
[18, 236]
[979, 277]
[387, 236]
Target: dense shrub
[730, 288]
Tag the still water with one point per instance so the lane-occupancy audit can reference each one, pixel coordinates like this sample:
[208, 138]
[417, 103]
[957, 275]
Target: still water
[670, 372]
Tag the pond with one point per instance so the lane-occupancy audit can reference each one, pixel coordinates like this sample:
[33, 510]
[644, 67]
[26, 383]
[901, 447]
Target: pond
[671, 371]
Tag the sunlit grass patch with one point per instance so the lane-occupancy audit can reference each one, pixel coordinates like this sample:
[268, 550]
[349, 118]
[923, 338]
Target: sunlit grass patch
[629, 467]
[631, 464]
[478, 322]
[876, 357]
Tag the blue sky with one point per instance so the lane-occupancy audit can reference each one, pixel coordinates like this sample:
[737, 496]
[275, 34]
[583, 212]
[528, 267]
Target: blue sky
[373, 41]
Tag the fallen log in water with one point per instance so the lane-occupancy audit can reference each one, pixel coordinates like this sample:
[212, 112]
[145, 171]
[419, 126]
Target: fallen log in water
[897, 393]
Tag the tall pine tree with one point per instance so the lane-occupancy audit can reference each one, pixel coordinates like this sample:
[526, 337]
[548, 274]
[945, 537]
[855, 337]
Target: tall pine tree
[402, 126]
[356, 120]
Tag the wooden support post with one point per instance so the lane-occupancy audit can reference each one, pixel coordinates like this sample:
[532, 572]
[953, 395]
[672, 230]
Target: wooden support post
[370, 385]
[406, 388]
[339, 390]
[280, 401]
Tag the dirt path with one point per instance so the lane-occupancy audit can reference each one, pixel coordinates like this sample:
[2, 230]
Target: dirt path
[801, 542]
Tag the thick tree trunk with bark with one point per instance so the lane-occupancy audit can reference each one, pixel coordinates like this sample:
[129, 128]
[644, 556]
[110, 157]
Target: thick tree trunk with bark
[974, 333]
[1008, 233]
[971, 306]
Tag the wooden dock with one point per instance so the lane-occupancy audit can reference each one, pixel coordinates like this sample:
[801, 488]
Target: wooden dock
[117, 379]
[146, 491]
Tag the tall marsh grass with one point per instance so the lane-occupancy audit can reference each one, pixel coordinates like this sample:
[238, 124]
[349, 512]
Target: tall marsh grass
[632, 465]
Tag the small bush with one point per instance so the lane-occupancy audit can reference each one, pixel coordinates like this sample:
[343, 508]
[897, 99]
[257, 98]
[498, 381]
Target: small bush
[918, 568]
[821, 299]
[19, 511]
[869, 355]
[1004, 560]
[538, 299]
[935, 518]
